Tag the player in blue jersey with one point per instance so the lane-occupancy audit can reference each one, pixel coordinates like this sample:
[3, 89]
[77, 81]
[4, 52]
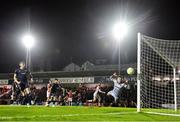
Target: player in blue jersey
[21, 80]
[119, 83]
[56, 90]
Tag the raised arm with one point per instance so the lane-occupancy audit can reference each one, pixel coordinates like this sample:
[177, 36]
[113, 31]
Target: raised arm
[114, 77]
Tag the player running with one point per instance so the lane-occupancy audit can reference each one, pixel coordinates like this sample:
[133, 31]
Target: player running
[21, 80]
[96, 95]
[49, 86]
[119, 83]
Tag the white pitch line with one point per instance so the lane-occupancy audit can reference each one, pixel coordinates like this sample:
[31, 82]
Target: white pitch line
[163, 114]
[119, 113]
[63, 115]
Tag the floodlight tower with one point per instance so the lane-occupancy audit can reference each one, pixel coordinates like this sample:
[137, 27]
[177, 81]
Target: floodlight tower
[119, 31]
[28, 41]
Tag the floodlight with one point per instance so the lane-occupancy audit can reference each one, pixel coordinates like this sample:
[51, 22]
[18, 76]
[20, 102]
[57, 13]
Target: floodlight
[28, 41]
[120, 30]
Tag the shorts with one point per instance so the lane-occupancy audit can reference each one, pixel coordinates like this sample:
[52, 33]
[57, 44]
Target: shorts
[23, 86]
[69, 99]
[54, 94]
[48, 94]
[96, 97]
[113, 94]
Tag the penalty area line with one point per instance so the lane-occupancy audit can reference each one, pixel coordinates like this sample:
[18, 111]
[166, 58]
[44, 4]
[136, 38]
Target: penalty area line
[62, 115]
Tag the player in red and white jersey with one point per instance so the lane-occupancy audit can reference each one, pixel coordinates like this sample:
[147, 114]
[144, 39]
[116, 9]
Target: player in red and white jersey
[49, 86]
[96, 95]
[70, 97]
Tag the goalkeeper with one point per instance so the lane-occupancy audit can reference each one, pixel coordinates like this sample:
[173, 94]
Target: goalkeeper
[119, 83]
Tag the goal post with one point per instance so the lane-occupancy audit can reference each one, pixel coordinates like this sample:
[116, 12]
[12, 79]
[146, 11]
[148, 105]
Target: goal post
[138, 71]
[175, 90]
[158, 75]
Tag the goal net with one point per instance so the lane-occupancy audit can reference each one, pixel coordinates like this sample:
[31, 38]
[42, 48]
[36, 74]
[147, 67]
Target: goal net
[158, 75]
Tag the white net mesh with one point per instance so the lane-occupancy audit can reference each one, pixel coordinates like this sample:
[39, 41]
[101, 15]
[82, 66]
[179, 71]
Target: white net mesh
[159, 60]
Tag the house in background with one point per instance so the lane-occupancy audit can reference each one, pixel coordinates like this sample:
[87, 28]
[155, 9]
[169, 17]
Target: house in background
[72, 67]
[87, 66]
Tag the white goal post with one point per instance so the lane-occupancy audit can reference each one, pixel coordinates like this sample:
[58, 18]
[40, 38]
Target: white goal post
[158, 75]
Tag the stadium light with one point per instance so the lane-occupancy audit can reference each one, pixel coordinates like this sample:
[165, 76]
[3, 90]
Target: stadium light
[28, 41]
[120, 30]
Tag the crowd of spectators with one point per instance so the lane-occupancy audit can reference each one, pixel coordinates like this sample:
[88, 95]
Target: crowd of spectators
[80, 96]
[4, 94]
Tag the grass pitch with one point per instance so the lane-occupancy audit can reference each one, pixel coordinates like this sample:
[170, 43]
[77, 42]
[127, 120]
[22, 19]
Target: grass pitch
[65, 113]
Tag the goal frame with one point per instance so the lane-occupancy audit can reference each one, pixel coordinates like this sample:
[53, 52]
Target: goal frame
[139, 77]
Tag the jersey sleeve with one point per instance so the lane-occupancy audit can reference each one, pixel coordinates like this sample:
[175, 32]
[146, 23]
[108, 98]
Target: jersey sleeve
[100, 91]
[113, 79]
[16, 71]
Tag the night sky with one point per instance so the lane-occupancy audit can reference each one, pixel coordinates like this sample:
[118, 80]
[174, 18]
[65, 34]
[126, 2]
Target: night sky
[79, 30]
